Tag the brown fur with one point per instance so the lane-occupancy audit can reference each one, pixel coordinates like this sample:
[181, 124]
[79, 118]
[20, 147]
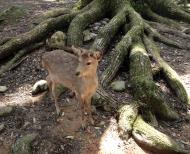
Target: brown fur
[76, 72]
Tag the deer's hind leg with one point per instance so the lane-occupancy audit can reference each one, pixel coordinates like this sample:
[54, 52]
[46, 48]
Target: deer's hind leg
[56, 93]
[49, 83]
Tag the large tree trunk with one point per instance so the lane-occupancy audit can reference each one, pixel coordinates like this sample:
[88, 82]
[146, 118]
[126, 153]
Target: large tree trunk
[137, 40]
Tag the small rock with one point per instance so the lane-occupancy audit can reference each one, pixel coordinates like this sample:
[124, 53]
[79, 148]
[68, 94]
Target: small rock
[26, 124]
[62, 114]
[129, 85]
[62, 147]
[96, 28]
[107, 108]
[104, 22]
[106, 19]
[3, 89]
[70, 137]
[186, 30]
[174, 134]
[97, 24]
[188, 116]
[2, 126]
[4, 111]
[34, 120]
[102, 123]
[118, 86]
[39, 86]
[57, 40]
[88, 36]
[158, 84]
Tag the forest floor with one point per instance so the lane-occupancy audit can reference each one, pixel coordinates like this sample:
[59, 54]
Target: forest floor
[59, 135]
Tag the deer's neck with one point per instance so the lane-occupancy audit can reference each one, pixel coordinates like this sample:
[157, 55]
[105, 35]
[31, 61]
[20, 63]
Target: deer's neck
[91, 78]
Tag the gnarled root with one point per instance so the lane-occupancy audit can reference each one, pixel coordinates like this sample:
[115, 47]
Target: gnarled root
[107, 33]
[170, 9]
[143, 85]
[168, 41]
[105, 100]
[127, 117]
[148, 13]
[18, 56]
[36, 35]
[165, 29]
[121, 49]
[151, 139]
[82, 20]
[171, 76]
[51, 14]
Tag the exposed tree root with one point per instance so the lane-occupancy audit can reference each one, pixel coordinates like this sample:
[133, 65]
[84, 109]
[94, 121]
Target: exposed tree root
[52, 14]
[36, 35]
[168, 41]
[153, 140]
[3, 41]
[132, 125]
[143, 85]
[168, 30]
[157, 18]
[107, 33]
[149, 117]
[18, 56]
[56, 12]
[121, 49]
[170, 9]
[127, 117]
[171, 76]
[82, 20]
[82, 3]
[107, 101]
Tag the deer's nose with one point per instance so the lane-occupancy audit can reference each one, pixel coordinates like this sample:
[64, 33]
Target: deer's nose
[77, 73]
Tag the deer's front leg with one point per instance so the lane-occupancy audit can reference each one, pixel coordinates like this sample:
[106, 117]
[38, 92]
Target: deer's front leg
[82, 105]
[88, 110]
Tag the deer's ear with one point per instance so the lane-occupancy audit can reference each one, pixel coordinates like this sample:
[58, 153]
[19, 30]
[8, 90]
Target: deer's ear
[76, 51]
[98, 55]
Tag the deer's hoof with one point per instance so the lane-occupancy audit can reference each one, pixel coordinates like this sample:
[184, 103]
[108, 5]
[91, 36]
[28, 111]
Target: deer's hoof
[71, 94]
[58, 112]
[84, 125]
[92, 121]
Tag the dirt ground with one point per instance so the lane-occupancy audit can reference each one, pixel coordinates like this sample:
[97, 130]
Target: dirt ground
[63, 135]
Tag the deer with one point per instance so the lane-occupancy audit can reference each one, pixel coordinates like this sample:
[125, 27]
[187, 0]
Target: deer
[77, 72]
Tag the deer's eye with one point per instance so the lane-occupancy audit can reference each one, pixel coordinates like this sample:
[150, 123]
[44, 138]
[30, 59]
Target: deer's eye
[88, 63]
